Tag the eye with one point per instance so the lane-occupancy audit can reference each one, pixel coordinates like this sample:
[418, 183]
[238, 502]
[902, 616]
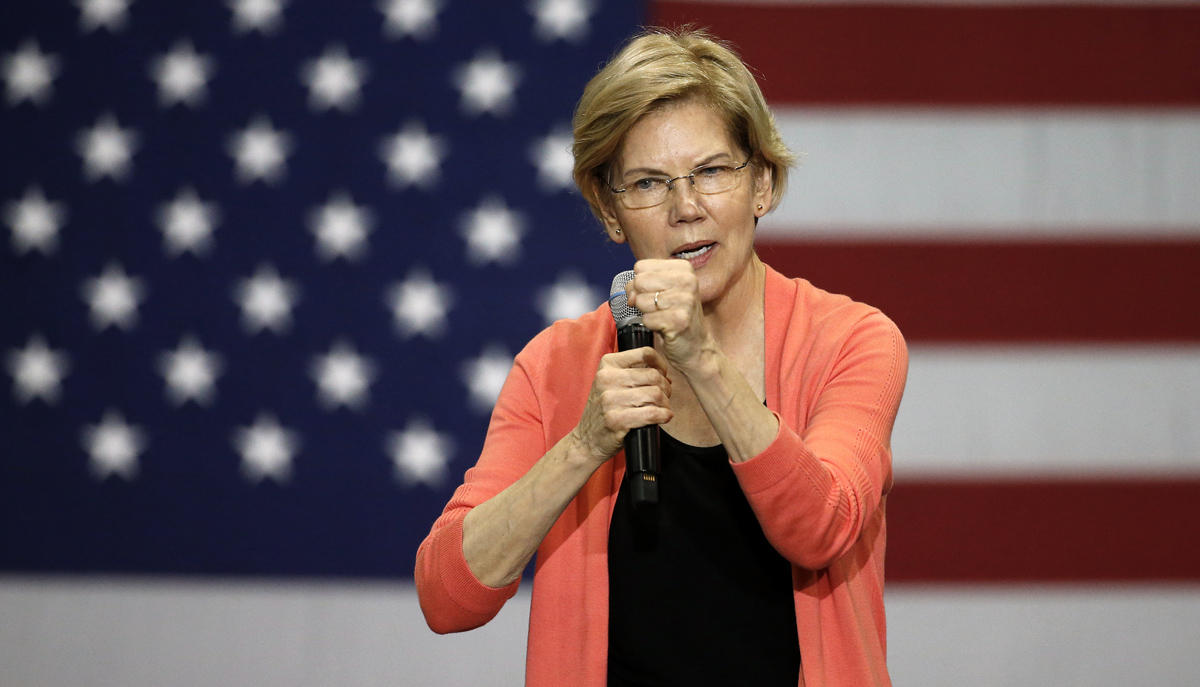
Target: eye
[713, 171]
[646, 184]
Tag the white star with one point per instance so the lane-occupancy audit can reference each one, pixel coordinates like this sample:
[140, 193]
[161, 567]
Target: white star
[343, 376]
[106, 149]
[113, 446]
[37, 371]
[554, 160]
[187, 224]
[567, 298]
[111, 14]
[113, 297]
[566, 19]
[190, 372]
[266, 301]
[333, 79]
[412, 156]
[263, 16]
[29, 74]
[419, 453]
[419, 305]
[493, 232]
[260, 151]
[266, 449]
[34, 221]
[341, 227]
[485, 375]
[416, 18]
[487, 84]
[182, 75]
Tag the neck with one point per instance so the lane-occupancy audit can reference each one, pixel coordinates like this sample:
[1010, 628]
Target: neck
[740, 306]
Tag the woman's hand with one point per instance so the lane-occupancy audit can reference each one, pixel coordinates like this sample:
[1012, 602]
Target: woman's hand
[668, 294]
[630, 390]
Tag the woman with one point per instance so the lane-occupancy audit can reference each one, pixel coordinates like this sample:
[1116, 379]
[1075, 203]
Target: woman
[763, 562]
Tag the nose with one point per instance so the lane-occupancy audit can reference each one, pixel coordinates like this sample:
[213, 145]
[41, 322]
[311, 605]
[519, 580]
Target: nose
[684, 200]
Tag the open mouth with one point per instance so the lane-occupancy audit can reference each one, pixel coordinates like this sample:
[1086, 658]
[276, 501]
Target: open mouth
[694, 252]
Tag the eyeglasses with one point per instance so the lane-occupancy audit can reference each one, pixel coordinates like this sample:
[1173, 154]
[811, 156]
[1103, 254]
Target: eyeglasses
[650, 191]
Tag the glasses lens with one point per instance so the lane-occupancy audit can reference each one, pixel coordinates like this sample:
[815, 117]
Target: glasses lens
[715, 179]
[648, 193]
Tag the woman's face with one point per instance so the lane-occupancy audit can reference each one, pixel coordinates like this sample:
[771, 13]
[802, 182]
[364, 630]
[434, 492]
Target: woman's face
[714, 232]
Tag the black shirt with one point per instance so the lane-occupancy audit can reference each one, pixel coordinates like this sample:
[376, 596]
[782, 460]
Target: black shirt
[697, 596]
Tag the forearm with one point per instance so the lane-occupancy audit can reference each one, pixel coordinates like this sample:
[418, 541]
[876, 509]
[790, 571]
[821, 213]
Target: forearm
[746, 427]
[501, 535]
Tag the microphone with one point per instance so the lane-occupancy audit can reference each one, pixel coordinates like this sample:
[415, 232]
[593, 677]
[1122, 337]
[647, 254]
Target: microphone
[642, 464]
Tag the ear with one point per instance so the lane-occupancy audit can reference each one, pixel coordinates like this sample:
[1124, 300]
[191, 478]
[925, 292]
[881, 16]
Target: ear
[764, 184]
[608, 212]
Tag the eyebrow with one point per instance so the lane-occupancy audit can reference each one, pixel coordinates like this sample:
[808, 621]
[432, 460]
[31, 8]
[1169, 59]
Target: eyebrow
[650, 170]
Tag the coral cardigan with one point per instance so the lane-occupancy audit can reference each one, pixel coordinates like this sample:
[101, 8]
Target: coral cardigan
[835, 371]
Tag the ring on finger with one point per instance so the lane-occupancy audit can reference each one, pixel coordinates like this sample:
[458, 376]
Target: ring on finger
[656, 299]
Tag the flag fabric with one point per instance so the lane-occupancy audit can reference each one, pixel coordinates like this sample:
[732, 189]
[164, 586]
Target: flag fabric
[266, 265]
[267, 262]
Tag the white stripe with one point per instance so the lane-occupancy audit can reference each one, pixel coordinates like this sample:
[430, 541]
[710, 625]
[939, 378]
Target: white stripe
[147, 633]
[1049, 411]
[1043, 636]
[879, 173]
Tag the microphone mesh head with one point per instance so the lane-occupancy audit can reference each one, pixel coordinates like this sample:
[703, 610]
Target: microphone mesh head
[622, 313]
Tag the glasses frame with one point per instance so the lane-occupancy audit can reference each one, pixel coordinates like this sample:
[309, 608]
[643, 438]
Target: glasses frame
[690, 176]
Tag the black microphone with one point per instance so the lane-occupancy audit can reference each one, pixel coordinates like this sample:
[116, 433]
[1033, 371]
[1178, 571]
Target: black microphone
[642, 463]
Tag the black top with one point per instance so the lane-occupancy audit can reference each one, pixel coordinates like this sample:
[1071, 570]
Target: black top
[697, 596]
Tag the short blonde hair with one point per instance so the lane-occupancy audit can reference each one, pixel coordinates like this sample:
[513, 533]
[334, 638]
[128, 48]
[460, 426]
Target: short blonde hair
[658, 67]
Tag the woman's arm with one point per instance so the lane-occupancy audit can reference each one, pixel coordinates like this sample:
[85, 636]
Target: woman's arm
[469, 564]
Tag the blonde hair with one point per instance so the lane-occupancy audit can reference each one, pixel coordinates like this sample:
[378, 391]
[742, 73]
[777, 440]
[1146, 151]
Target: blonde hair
[662, 66]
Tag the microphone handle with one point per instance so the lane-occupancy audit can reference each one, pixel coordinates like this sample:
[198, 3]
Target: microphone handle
[642, 462]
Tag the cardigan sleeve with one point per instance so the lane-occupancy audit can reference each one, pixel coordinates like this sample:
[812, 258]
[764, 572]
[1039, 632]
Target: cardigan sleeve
[451, 597]
[816, 486]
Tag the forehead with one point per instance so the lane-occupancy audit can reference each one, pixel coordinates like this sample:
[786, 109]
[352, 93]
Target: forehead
[674, 137]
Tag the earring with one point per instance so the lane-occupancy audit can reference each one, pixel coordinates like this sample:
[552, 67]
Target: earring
[619, 231]
[760, 206]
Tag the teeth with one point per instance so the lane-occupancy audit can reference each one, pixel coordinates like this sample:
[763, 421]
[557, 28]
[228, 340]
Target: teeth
[689, 254]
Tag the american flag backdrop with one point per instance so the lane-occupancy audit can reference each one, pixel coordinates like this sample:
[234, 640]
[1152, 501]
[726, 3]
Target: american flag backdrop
[266, 263]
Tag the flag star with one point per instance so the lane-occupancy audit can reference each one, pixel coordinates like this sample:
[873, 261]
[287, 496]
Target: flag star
[419, 453]
[107, 149]
[485, 375]
[190, 372]
[187, 224]
[554, 160]
[342, 376]
[113, 446]
[413, 156]
[419, 305]
[487, 84]
[267, 449]
[264, 16]
[182, 75]
[341, 227]
[260, 151]
[113, 297]
[493, 232]
[333, 79]
[569, 297]
[37, 371]
[111, 14]
[29, 74]
[416, 18]
[266, 301]
[565, 19]
[34, 221]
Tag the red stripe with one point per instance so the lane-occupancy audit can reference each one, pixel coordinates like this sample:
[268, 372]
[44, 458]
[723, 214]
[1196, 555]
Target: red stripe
[963, 55]
[1012, 291]
[1073, 531]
